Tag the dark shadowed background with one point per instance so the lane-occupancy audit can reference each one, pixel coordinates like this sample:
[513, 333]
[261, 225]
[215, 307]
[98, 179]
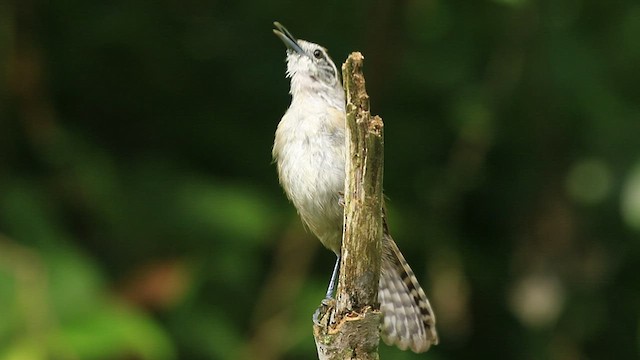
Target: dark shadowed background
[141, 217]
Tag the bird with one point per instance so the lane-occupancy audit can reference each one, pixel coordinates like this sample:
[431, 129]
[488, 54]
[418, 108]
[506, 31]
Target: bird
[310, 152]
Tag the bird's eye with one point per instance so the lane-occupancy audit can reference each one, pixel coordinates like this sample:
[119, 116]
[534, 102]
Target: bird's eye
[317, 54]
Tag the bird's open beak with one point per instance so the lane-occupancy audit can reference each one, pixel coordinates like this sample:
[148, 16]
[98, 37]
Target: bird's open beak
[287, 38]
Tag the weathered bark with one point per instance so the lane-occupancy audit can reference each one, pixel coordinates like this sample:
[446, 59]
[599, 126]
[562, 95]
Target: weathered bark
[349, 328]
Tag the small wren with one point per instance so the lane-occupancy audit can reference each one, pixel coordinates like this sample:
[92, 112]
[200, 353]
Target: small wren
[310, 152]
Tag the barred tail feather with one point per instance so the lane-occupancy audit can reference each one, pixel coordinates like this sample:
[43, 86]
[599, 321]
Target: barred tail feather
[409, 321]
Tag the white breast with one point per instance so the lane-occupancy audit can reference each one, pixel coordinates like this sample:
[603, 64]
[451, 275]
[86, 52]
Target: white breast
[310, 151]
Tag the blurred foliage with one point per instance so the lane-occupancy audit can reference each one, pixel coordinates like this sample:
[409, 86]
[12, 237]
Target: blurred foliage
[141, 218]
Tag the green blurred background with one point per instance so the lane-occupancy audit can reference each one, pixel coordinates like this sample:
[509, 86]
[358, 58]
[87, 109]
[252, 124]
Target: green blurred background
[141, 217]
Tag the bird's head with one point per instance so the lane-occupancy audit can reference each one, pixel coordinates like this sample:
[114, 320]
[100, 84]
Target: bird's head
[309, 66]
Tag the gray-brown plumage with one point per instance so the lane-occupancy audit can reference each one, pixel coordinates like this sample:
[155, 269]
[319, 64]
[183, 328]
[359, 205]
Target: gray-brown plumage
[310, 152]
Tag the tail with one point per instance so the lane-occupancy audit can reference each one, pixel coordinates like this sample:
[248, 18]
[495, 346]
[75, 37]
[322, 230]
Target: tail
[409, 321]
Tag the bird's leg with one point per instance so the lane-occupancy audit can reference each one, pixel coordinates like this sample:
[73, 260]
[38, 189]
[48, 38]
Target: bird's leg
[333, 283]
[329, 299]
[328, 302]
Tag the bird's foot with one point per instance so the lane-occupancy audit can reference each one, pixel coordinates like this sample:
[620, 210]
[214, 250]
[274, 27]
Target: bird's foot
[323, 314]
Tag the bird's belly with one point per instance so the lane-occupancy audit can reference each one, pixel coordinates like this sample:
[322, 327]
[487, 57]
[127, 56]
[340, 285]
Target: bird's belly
[313, 176]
